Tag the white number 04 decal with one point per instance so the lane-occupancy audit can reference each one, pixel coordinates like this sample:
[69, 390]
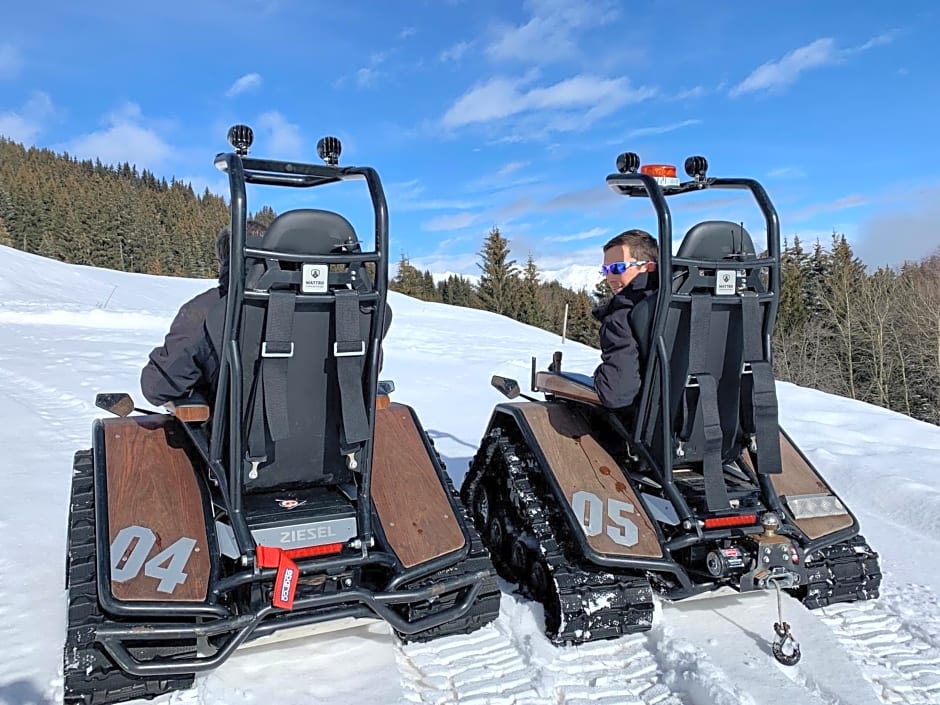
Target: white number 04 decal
[589, 510]
[167, 566]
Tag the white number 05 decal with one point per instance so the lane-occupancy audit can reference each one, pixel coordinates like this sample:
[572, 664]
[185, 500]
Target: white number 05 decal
[167, 566]
[589, 510]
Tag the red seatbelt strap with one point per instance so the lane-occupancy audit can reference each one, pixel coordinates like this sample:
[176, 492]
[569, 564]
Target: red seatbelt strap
[285, 584]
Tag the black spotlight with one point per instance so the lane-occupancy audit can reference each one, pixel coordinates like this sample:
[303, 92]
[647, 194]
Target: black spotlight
[329, 149]
[628, 163]
[696, 167]
[240, 137]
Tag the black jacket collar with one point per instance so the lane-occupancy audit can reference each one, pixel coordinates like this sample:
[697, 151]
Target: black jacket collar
[643, 285]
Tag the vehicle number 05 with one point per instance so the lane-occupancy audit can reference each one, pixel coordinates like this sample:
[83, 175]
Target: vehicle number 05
[167, 566]
[613, 519]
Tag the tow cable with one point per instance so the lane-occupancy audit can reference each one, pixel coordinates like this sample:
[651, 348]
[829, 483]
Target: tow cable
[786, 648]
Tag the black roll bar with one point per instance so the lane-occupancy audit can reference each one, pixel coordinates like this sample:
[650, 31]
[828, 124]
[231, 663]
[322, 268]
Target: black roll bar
[244, 170]
[635, 184]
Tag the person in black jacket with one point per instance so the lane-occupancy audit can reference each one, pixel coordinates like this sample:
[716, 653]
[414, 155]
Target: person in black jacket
[187, 363]
[630, 270]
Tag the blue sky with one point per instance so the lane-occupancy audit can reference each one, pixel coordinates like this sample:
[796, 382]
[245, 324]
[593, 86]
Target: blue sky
[481, 113]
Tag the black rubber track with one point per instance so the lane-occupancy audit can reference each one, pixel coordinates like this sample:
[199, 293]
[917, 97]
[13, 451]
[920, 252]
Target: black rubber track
[529, 540]
[485, 608]
[846, 572]
[91, 678]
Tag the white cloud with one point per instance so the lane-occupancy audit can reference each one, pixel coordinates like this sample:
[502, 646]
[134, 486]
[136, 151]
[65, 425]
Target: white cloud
[787, 172]
[550, 32]
[660, 129]
[464, 264]
[576, 237]
[851, 201]
[456, 221]
[456, 52]
[24, 124]
[366, 76]
[407, 32]
[410, 196]
[126, 139]
[283, 138]
[555, 262]
[11, 61]
[506, 178]
[880, 40]
[509, 168]
[589, 198]
[493, 100]
[776, 75]
[903, 234]
[514, 209]
[690, 93]
[248, 82]
[585, 98]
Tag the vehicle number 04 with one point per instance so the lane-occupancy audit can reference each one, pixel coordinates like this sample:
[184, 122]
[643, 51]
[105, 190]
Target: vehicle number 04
[615, 522]
[167, 566]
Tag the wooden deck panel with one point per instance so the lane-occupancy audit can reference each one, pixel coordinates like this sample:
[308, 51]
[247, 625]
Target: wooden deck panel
[415, 513]
[152, 488]
[800, 478]
[585, 471]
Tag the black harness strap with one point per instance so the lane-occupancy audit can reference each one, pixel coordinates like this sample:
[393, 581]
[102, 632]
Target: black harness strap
[270, 401]
[716, 492]
[349, 351]
[759, 394]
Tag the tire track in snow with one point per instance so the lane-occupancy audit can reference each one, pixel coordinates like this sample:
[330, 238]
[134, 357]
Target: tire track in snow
[687, 668]
[717, 649]
[481, 668]
[510, 662]
[896, 642]
[56, 408]
[618, 672]
[56, 411]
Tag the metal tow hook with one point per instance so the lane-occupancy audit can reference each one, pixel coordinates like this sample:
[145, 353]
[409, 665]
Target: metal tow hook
[786, 648]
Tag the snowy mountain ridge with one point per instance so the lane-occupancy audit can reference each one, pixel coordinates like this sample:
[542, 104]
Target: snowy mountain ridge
[574, 276]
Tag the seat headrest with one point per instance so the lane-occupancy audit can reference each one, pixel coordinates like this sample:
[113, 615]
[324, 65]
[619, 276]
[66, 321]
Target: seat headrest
[310, 231]
[716, 239]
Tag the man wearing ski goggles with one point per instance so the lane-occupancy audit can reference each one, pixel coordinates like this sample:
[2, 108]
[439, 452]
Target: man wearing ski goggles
[630, 269]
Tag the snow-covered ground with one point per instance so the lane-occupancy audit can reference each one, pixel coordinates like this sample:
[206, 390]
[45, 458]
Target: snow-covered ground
[67, 332]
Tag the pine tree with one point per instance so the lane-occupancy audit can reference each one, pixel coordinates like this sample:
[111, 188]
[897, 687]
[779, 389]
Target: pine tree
[265, 216]
[5, 238]
[839, 291]
[530, 308]
[817, 270]
[582, 326]
[409, 280]
[429, 290]
[793, 312]
[602, 292]
[458, 291]
[496, 290]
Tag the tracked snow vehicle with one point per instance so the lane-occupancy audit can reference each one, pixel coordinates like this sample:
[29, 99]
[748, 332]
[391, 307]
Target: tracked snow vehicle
[592, 511]
[299, 496]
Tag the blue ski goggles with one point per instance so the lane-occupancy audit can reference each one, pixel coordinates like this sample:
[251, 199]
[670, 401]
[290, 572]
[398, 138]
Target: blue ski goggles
[621, 267]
